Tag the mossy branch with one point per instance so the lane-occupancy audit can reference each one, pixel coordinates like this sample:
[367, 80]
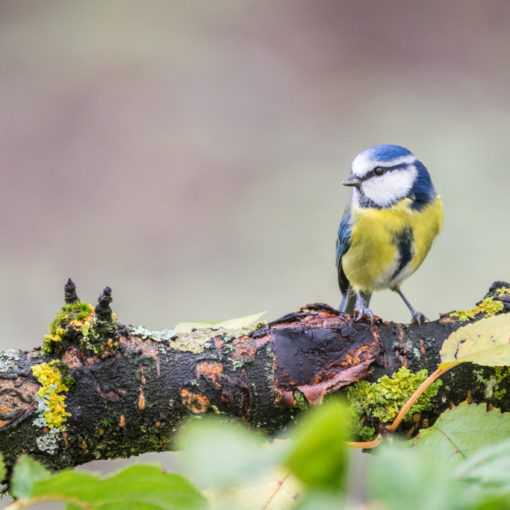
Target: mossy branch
[97, 389]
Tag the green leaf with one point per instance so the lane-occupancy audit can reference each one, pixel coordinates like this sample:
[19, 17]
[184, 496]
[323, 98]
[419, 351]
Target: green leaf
[26, 473]
[221, 454]
[238, 323]
[486, 342]
[319, 456]
[134, 488]
[274, 490]
[459, 432]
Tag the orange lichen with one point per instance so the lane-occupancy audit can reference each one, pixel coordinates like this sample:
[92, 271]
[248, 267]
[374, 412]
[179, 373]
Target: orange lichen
[211, 370]
[194, 402]
[360, 355]
[244, 348]
[141, 400]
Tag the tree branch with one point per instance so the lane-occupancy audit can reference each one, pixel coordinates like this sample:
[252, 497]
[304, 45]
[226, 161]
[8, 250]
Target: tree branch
[97, 390]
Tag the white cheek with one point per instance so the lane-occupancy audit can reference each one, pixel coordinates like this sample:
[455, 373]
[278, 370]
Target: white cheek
[356, 195]
[390, 187]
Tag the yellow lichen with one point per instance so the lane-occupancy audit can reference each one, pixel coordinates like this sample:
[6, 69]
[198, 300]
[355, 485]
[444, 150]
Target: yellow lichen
[489, 307]
[51, 395]
[108, 348]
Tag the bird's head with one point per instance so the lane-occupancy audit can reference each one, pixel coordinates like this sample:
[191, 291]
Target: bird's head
[385, 174]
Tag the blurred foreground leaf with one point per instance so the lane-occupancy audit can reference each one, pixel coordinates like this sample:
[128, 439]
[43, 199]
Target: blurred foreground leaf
[26, 473]
[320, 500]
[223, 454]
[319, 455]
[488, 468]
[485, 342]
[136, 487]
[401, 478]
[275, 489]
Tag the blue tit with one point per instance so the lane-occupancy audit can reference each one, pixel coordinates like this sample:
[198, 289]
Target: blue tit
[388, 228]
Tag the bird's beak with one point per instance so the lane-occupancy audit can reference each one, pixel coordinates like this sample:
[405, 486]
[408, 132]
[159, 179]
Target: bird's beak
[352, 180]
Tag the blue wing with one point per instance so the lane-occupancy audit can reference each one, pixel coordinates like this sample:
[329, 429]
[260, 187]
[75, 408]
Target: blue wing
[343, 241]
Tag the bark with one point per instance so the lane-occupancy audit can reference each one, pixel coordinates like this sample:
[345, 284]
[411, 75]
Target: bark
[127, 395]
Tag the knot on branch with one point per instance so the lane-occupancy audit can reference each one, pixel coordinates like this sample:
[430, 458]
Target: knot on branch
[103, 309]
[79, 323]
[70, 295]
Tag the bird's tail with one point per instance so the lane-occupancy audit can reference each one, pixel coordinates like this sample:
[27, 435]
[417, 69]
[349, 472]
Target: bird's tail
[349, 301]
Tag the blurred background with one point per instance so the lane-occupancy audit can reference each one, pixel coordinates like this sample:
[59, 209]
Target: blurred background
[190, 154]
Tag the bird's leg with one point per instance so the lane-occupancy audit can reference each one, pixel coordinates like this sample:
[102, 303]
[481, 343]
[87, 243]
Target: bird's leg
[418, 317]
[348, 301]
[345, 299]
[361, 307]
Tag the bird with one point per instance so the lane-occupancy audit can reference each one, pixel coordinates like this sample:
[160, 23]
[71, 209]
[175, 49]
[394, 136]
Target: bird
[387, 228]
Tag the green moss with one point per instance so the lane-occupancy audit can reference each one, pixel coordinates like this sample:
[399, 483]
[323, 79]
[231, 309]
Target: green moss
[501, 373]
[51, 395]
[77, 316]
[78, 321]
[489, 307]
[301, 402]
[366, 433]
[382, 400]
[498, 395]
[492, 383]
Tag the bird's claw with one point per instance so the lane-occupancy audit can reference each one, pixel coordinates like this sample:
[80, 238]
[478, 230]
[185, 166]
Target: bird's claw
[364, 313]
[418, 318]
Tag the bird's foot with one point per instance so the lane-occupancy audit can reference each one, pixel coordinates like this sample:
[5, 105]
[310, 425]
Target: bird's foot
[418, 318]
[364, 312]
[361, 310]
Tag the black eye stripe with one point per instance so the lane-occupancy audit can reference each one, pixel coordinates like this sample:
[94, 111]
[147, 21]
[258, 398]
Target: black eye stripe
[385, 169]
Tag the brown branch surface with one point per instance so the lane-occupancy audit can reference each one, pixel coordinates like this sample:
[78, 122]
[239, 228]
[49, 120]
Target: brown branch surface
[128, 395]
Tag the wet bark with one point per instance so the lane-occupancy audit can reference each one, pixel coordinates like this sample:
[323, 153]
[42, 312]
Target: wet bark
[130, 395]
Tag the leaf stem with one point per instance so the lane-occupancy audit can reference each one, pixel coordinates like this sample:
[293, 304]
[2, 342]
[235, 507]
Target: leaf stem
[365, 444]
[416, 395]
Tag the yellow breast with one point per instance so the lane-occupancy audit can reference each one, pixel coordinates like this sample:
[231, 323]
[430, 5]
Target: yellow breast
[373, 256]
